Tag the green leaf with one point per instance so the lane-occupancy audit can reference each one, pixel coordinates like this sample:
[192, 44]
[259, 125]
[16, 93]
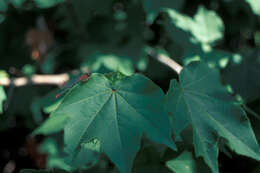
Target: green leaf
[3, 5]
[47, 104]
[178, 28]
[199, 100]
[153, 7]
[255, 5]
[206, 26]
[28, 70]
[2, 98]
[145, 163]
[3, 8]
[47, 3]
[109, 56]
[184, 163]
[52, 124]
[103, 63]
[18, 3]
[214, 57]
[116, 114]
[86, 157]
[149, 159]
[54, 160]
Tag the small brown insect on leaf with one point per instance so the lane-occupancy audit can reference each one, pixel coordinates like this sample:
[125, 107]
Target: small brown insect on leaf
[82, 78]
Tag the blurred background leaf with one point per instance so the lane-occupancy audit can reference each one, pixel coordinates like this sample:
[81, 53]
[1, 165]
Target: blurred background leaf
[2, 98]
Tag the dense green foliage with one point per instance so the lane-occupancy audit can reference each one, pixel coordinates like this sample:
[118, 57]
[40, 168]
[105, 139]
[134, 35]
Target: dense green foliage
[135, 112]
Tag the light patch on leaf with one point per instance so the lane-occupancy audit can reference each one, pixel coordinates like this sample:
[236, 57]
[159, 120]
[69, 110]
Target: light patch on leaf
[255, 5]
[184, 163]
[206, 26]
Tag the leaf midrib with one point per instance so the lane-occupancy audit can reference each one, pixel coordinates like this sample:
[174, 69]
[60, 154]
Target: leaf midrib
[117, 126]
[197, 80]
[194, 127]
[93, 118]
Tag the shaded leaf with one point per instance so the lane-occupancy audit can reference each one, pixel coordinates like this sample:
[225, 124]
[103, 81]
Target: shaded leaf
[3, 8]
[149, 160]
[243, 76]
[186, 163]
[107, 63]
[153, 7]
[85, 158]
[52, 124]
[178, 28]
[47, 3]
[90, 8]
[200, 100]
[18, 3]
[3, 5]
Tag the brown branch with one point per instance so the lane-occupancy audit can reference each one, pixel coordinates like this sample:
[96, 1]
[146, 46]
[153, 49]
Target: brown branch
[36, 79]
[60, 79]
[165, 60]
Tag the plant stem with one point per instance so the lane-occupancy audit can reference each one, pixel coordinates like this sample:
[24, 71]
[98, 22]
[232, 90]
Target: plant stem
[60, 79]
[164, 59]
[57, 79]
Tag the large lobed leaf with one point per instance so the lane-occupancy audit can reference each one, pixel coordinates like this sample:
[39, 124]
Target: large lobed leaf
[116, 112]
[199, 100]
